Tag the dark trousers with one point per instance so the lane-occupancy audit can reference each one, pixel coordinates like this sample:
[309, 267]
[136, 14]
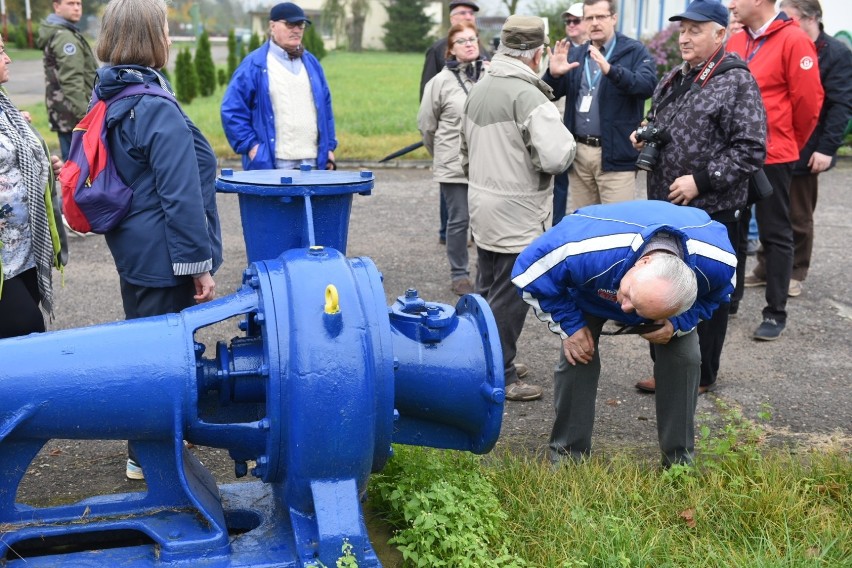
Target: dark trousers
[64, 144]
[776, 241]
[144, 301]
[494, 283]
[676, 370]
[560, 196]
[19, 311]
[443, 214]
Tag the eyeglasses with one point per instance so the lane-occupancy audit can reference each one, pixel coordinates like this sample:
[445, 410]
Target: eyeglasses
[572, 21]
[590, 19]
[465, 41]
[293, 25]
[462, 13]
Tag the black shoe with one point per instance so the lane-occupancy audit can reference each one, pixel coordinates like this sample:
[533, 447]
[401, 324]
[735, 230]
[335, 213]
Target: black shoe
[769, 330]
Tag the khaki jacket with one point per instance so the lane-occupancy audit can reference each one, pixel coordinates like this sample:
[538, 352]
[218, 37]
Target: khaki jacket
[439, 122]
[513, 142]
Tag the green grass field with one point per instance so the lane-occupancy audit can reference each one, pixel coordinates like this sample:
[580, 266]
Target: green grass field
[374, 95]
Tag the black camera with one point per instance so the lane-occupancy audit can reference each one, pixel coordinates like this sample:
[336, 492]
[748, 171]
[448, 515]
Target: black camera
[654, 139]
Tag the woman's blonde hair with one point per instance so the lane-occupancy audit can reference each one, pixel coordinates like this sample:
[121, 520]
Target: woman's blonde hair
[133, 33]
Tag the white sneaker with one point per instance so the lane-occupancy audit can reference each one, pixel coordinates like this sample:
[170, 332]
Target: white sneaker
[134, 471]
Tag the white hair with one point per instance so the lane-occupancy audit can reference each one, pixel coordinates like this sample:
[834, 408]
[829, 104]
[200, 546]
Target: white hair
[525, 54]
[672, 269]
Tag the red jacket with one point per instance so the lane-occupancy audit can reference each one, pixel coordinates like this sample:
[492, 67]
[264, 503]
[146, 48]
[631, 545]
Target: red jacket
[784, 62]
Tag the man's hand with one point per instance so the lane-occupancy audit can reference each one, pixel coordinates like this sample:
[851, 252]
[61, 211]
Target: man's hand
[683, 190]
[598, 58]
[580, 347]
[637, 144]
[662, 335]
[331, 161]
[253, 152]
[205, 288]
[56, 164]
[819, 162]
[559, 59]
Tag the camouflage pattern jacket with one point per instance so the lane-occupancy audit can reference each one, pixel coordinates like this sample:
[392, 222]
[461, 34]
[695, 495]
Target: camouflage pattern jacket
[716, 133]
[69, 70]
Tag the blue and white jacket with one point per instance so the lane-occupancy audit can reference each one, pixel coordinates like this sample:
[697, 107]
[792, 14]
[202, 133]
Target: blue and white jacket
[248, 118]
[576, 267]
[172, 228]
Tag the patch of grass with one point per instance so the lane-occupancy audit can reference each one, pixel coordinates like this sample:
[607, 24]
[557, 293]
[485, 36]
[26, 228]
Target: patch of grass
[740, 505]
[16, 54]
[375, 99]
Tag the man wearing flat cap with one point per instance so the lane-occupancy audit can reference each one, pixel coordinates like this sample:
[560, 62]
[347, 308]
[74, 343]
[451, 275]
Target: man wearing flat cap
[277, 110]
[512, 143]
[712, 139]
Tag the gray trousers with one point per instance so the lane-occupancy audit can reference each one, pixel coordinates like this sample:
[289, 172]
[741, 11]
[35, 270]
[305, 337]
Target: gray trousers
[458, 223]
[494, 283]
[677, 369]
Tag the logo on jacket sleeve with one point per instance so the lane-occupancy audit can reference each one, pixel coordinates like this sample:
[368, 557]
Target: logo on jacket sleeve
[806, 63]
[69, 49]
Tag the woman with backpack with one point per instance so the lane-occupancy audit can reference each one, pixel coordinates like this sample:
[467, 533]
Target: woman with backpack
[30, 237]
[169, 245]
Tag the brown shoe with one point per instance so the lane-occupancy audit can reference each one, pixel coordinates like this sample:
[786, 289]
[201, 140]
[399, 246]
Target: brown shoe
[519, 390]
[648, 385]
[522, 370]
[706, 388]
[462, 286]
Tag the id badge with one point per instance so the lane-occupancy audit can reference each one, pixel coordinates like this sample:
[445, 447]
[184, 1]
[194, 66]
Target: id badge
[586, 103]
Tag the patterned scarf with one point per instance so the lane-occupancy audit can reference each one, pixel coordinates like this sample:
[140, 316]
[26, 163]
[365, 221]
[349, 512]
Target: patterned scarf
[295, 52]
[34, 167]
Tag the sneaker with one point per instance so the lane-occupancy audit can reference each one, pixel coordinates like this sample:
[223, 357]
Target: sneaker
[769, 330]
[134, 471]
[522, 370]
[461, 287]
[752, 281]
[795, 288]
[519, 390]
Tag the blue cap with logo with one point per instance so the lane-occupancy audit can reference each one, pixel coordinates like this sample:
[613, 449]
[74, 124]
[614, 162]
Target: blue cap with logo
[704, 11]
[288, 12]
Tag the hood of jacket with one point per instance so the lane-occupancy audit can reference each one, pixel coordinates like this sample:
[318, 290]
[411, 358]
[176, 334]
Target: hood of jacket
[509, 67]
[112, 80]
[49, 27]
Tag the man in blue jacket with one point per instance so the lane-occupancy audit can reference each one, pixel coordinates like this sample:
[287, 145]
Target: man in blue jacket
[605, 82]
[637, 263]
[277, 109]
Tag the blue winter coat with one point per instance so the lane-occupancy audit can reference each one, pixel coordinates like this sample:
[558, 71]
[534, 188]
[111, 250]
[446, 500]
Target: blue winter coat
[576, 267]
[247, 115]
[622, 95]
[172, 229]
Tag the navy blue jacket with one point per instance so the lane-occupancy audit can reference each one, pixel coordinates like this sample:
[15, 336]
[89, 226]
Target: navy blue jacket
[622, 95]
[247, 115]
[172, 229]
[577, 266]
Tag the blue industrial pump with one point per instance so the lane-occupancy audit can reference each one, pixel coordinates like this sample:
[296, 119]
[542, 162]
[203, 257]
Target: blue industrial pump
[308, 398]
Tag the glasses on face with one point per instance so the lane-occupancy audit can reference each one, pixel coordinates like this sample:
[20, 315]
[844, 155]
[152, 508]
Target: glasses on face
[293, 25]
[462, 13]
[603, 18]
[465, 40]
[572, 21]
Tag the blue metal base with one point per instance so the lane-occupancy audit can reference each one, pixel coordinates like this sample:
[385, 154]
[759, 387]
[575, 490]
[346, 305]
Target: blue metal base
[261, 536]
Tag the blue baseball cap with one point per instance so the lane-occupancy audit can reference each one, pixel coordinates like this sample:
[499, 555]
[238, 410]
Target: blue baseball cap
[288, 12]
[704, 11]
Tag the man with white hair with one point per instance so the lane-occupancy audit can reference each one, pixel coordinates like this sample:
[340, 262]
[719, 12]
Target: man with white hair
[652, 266]
[512, 143]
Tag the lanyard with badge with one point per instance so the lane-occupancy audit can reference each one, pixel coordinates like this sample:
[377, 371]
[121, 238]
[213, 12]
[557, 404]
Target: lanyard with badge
[586, 101]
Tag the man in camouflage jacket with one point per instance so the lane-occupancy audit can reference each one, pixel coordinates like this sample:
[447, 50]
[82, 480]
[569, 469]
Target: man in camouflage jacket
[69, 69]
[714, 138]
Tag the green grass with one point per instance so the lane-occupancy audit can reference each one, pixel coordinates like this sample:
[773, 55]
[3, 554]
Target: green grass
[16, 54]
[742, 505]
[374, 95]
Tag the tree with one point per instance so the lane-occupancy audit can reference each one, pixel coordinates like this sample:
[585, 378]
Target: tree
[407, 28]
[186, 79]
[313, 42]
[355, 30]
[204, 66]
[254, 42]
[233, 54]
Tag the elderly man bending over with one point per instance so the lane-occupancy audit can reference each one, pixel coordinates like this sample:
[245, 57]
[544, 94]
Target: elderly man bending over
[637, 263]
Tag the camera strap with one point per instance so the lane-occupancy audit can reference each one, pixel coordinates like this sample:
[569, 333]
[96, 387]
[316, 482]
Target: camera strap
[716, 65]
